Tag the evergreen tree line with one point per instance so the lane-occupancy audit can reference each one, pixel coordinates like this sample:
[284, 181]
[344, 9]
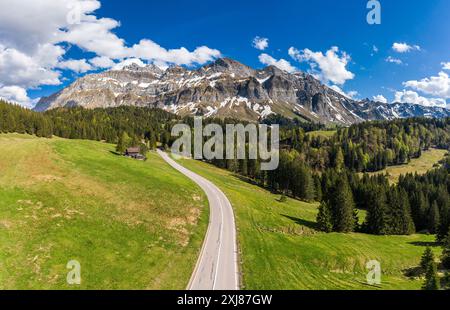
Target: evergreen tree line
[344, 193]
[369, 146]
[388, 207]
[428, 196]
[418, 203]
[373, 146]
[110, 125]
[14, 118]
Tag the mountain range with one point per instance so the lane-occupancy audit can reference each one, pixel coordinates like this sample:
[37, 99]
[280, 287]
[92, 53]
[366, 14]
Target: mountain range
[227, 88]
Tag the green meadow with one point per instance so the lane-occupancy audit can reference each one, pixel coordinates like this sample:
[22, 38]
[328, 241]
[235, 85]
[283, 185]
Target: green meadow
[130, 224]
[419, 165]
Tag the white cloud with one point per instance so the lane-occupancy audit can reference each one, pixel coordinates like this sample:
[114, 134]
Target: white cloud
[78, 66]
[404, 47]
[31, 34]
[438, 86]
[26, 24]
[332, 67]
[16, 94]
[281, 64]
[380, 98]
[393, 60]
[260, 43]
[19, 69]
[351, 94]
[48, 55]
[102, 62]
[154, 53]
[128, 62]
[445, 65]
[95, 35]
[408, 96]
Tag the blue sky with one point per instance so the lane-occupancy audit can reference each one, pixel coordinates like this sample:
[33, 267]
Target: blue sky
[364, 60]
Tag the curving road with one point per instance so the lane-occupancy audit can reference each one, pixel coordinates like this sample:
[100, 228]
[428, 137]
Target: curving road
[217, 266]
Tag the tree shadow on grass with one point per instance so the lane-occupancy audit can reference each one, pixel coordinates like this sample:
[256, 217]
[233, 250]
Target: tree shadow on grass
[413, 272]
[309, 224]
[246, 179]
[425, 244]
[115, 153]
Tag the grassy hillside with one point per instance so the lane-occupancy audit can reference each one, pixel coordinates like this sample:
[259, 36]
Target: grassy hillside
[420, 165]
[280, 248]
[131, 224]
[322, 133]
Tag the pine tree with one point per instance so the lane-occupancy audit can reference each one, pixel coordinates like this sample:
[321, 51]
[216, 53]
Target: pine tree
[318, 188]
[427, 259]
[258, 174]
[232, 165]
[121, 147]
[339, 162]
[407, 223]
[134, 141]
[402, 156]
[446, 281]
[377, 220]
[419, 206]
[243, 166]
[356, 220]
[343, 207]
[152, 140]
[431, 278]
[433, 218]
[444, 226]
[400, 220]
[305, 183]
[324, 218]
[446, 253]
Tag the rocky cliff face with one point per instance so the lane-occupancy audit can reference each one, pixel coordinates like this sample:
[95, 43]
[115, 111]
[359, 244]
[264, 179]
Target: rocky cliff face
[226, 88]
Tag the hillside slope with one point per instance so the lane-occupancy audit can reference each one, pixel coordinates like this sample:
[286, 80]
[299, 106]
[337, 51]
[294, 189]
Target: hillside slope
[281, 249]
[130, 224]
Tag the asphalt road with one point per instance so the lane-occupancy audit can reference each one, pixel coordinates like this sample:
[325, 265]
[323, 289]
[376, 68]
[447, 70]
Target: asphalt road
[217, 266]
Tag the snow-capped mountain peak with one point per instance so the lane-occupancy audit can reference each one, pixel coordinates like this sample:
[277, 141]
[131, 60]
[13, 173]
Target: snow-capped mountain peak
[226, 88]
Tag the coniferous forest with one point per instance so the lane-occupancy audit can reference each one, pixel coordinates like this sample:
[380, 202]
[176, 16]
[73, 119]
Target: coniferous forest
[99, 124]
